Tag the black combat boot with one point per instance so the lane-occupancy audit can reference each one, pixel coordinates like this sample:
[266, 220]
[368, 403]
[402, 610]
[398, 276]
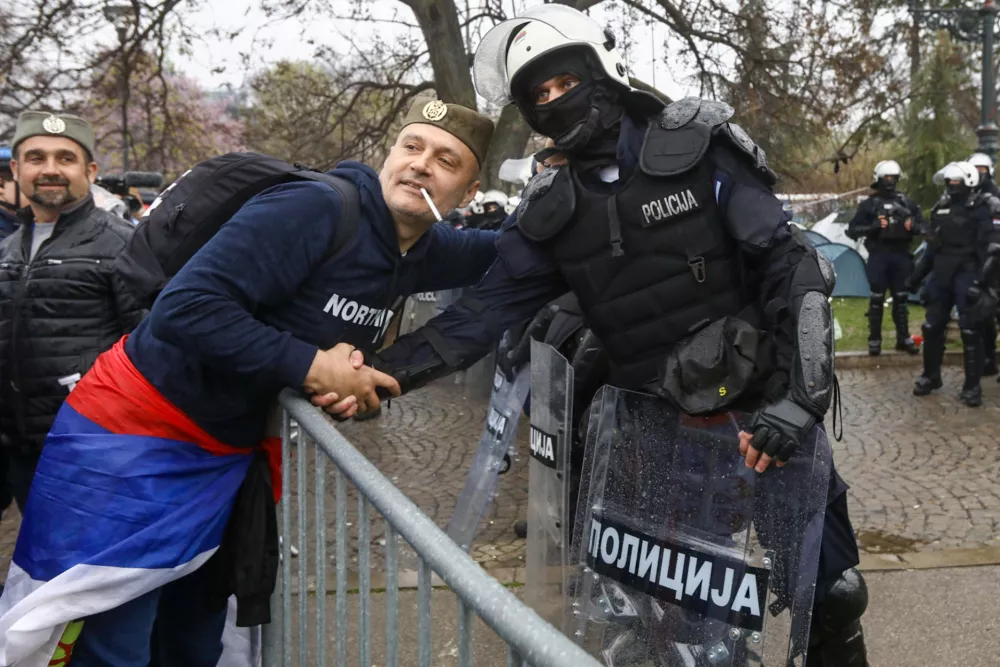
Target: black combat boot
[972, 349]
[901, 318]
[836, 638]
[930, 379]
[876, 303]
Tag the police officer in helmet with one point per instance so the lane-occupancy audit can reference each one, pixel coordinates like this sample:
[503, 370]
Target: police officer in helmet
[888, 221]
[662, 222]
[984, 165]
[958, 240]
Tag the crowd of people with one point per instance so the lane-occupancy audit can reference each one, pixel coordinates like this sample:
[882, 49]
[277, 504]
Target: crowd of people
[138, 428]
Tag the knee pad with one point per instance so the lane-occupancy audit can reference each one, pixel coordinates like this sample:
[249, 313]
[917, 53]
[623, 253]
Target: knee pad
[845, 603]
[932, 331]
[876, 301]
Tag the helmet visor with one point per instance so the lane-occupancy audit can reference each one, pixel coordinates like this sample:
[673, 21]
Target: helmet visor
[489, 67]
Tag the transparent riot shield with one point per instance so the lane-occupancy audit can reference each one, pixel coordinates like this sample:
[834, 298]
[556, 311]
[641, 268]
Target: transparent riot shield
[503, 414]
[418, 309]
[683, 555]
[547, 550]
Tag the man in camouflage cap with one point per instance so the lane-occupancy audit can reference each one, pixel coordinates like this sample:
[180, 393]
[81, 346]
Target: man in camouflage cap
[440, 148]
[53, 161]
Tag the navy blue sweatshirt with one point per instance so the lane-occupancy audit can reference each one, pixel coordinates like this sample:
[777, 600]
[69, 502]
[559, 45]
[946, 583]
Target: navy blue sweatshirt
[245, 316]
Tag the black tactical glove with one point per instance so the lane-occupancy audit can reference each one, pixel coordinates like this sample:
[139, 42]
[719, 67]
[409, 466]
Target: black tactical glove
[515, 351]
[981, 302]
[779, 427]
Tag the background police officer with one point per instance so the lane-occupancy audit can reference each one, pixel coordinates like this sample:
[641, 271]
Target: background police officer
[958, 241]
[888, 221]
[984, 165]
[662, 223]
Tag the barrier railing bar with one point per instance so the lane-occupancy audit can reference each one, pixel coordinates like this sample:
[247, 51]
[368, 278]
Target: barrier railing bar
[286, 544]
[365, 582]
[424, 615]
[536, 640]
[321, 629]
[302, 543]
[391, 598]
[464, 634]
[341, 491]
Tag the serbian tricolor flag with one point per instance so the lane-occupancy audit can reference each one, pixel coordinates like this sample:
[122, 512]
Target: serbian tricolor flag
[129, 495]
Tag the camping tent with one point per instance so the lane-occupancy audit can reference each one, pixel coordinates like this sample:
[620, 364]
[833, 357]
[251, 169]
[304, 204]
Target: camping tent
[852, 280]
[815, 238]
[837, 233]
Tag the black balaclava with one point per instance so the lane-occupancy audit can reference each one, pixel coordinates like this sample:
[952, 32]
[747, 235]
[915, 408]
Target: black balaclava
[957, 191]
[886, 186]
[584, 122]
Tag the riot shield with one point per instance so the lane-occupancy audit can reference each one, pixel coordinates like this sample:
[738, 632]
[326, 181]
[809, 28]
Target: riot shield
[683, 555]
[547, 549]
[418, 309]
[504, 412]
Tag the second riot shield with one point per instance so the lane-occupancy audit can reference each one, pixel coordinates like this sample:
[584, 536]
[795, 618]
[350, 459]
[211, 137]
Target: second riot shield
[503, 414]
[683, 555]
[547, 550]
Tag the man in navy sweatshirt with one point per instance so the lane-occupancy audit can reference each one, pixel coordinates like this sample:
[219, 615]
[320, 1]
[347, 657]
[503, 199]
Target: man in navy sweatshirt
[260, 307]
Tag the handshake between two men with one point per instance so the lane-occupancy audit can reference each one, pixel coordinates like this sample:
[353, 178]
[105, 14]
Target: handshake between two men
[339, 382]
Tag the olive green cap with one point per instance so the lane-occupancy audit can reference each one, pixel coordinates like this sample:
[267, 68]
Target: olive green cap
[473, 128]
[44, 124]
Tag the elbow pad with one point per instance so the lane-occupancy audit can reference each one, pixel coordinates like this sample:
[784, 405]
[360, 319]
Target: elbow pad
[812, 366]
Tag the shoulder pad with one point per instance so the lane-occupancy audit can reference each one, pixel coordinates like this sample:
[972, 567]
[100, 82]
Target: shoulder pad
[737, 137]
[697, 109]
[547, 204]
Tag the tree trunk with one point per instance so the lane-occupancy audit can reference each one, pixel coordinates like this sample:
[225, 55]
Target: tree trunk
[438, 20]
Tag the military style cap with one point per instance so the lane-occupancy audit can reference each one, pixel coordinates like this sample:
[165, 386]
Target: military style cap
[44, 124]
[473, 128]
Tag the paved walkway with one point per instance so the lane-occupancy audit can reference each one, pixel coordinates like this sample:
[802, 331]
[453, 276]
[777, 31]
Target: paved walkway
[922, 471]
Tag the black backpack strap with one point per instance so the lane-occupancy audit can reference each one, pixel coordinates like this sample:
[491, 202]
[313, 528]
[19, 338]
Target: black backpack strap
[351, 218]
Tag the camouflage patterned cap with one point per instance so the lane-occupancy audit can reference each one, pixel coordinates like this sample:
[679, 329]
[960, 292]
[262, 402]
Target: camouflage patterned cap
[473, 128]
[45, 124]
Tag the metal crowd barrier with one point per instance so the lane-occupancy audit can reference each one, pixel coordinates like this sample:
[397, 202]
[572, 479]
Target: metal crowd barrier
[530, 640]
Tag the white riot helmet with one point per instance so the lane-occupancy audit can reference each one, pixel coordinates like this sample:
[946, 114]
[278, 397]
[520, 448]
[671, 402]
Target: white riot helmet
[887, 175]
[957, 177]
[980, 160]
[511, 46]
[494, 197]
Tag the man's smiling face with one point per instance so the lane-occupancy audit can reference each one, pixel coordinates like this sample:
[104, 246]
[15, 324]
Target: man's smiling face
[425, 156]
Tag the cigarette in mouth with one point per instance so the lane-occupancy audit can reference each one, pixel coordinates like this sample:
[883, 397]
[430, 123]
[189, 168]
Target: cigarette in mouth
[430, 203]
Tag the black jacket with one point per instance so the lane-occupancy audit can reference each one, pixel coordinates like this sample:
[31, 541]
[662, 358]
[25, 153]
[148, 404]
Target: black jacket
[58, 312]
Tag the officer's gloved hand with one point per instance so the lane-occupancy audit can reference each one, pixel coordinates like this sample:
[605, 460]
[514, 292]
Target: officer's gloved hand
[911, 285]
[981, 302]
[515, 351]
[778, 428]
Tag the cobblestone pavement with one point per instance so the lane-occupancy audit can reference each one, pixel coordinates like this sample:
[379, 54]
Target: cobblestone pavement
[922, 471]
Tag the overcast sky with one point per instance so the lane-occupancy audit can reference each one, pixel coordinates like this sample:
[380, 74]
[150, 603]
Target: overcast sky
[288, 40]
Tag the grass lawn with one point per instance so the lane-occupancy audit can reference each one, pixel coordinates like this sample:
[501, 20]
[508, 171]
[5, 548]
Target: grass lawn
[850, 313]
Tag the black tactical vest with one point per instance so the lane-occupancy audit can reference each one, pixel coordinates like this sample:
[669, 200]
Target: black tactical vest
[894, 235]
[955, 231]
[650, 264]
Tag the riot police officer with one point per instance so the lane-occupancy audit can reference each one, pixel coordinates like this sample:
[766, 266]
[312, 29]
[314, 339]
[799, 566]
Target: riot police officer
[960, 228]
[984, 165]
[662, 223]
[888, 221]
